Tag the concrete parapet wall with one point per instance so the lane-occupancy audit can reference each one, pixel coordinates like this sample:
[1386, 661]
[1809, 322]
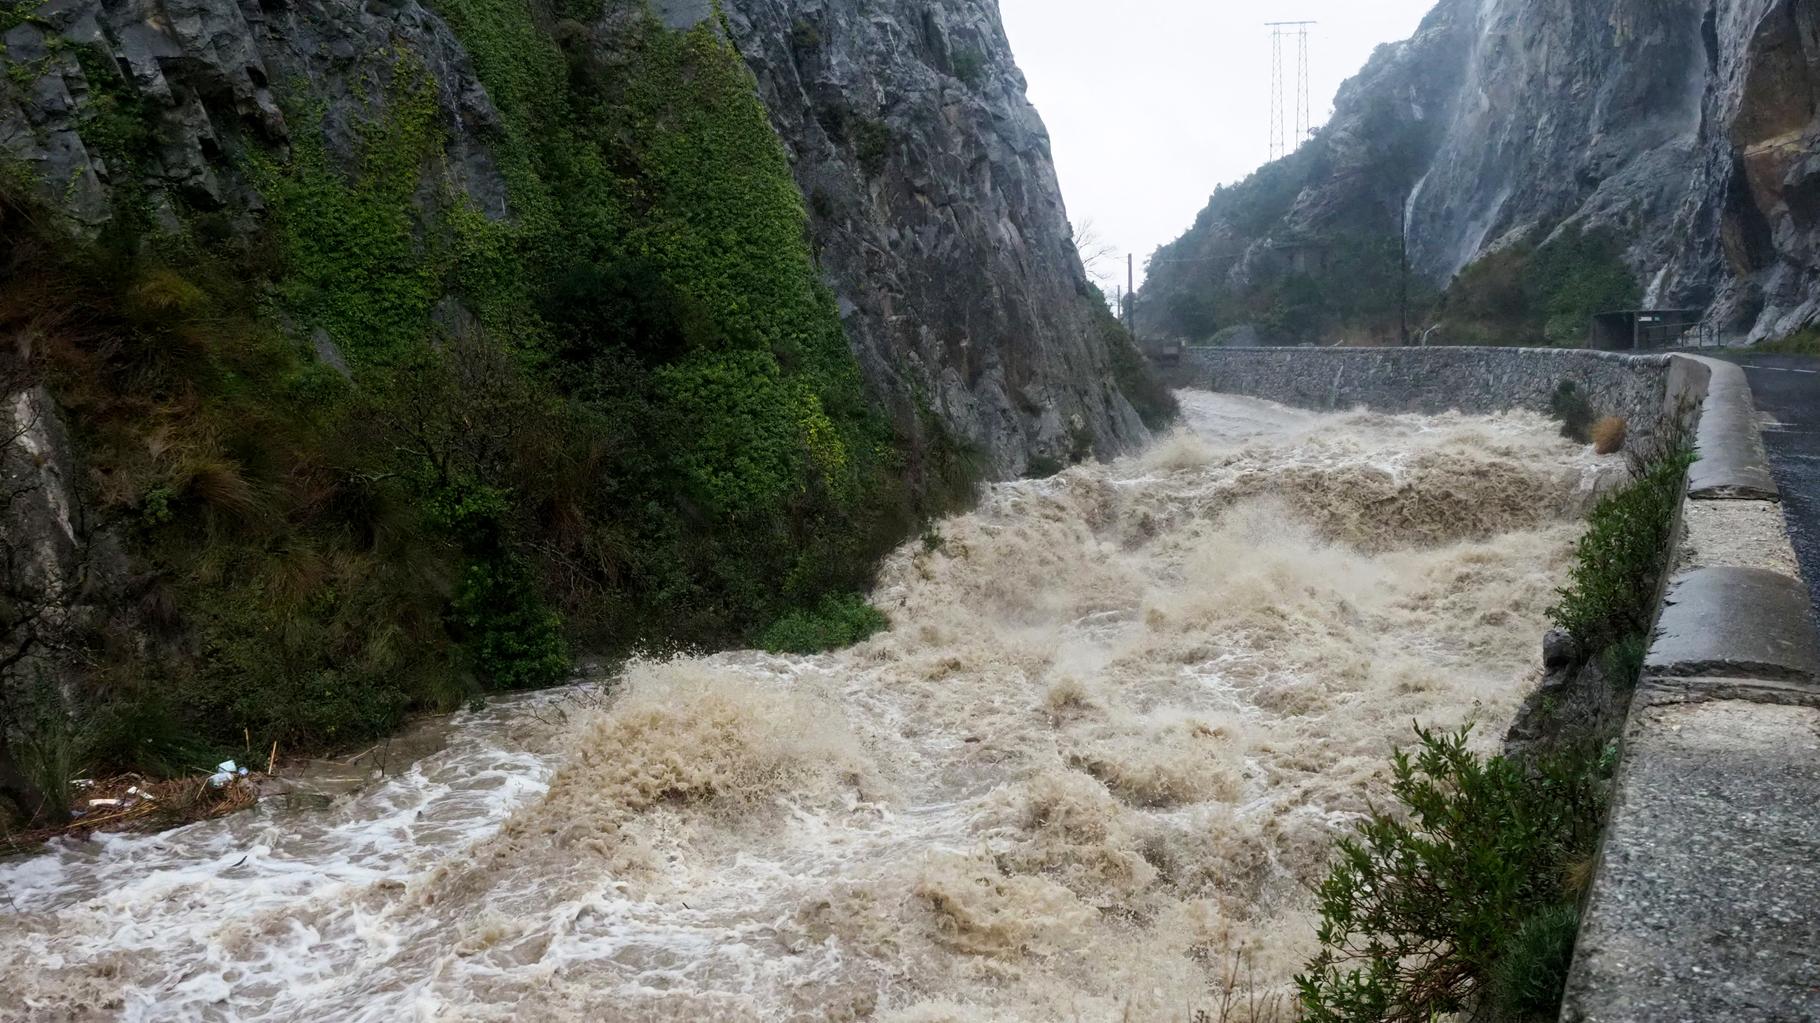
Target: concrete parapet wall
[1703, 903]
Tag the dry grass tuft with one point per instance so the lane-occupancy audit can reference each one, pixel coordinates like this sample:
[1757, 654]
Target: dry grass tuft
[1608, 435]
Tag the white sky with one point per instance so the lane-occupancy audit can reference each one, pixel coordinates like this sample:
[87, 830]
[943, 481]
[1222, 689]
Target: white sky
[1151, 103]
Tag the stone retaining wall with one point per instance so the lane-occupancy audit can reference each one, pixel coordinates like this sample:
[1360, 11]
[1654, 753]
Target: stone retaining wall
[1430, 380]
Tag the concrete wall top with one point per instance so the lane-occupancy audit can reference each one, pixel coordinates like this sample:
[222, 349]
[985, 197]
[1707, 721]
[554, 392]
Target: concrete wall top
[1733, 463]
[1702, 904]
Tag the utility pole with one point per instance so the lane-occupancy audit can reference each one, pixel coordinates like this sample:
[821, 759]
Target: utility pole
[1131, 295]
[1303, 122]
[1276, 93]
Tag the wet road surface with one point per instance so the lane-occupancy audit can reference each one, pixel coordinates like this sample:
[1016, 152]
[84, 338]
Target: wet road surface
[1787, 392]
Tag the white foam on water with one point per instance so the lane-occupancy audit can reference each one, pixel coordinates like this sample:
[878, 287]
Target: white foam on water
[1105, 747]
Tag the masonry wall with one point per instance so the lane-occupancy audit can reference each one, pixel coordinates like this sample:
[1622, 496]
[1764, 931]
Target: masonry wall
[1430, 380]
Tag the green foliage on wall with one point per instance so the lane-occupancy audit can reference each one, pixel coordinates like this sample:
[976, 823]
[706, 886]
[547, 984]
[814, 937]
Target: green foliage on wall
[117, 125]
[694, 452]
[14, 13]
[1618, 563]
[282, 579]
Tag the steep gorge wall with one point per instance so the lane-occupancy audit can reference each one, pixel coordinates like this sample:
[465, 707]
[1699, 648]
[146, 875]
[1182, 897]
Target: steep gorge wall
[516, 325]
[937, 217]
[935, 208]
[1681, 128]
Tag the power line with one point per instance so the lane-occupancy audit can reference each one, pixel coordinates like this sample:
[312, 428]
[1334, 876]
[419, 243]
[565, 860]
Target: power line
[1276, 93]
[1304, 122]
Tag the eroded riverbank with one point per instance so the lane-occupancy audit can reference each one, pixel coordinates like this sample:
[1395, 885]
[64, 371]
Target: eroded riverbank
[1119, 717]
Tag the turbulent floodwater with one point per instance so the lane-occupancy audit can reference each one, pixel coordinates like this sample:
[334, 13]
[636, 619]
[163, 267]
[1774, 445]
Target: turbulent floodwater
[1104, 748]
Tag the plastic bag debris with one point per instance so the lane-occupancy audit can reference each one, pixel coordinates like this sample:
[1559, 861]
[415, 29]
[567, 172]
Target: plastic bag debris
[225, 772]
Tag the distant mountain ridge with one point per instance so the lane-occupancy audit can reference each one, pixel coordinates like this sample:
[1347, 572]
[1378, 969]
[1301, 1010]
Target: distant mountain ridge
[1680, 135]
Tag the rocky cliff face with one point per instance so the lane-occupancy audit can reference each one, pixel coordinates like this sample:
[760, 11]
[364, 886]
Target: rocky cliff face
[934, 204]
[938, 217]
[404, 347]
[1682, 128]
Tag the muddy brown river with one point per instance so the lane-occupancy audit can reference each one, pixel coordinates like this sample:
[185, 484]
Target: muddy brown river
[1096, 762]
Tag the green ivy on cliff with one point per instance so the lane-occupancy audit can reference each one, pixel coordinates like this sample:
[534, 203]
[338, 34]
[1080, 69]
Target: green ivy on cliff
[693, 453]
[1529, 294]
[620, 412]
[355, 267]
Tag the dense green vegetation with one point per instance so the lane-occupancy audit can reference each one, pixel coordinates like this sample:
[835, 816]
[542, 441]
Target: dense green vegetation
[1528, 294]
[1619, 562]
[838, 621]
[638, 424]
[1465, 897]
[1570, 407]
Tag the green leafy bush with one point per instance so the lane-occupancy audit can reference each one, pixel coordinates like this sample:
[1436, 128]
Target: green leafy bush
[1531, 969]
[871, 144]
[970, 66]
[1570, 407]
[1461, 896]
[1576, 274]
[516, 641]
[838, 621]
[1524, 293]
[1618, 563]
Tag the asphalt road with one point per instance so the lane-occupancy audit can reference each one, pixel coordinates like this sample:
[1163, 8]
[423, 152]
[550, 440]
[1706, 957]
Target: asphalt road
[1787, 391]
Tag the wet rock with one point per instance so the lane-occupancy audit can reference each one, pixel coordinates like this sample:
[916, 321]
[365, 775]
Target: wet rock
[1559, 650]
[938, 218]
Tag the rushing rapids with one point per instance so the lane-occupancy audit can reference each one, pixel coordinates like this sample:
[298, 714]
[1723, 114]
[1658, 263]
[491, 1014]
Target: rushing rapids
[1088, 774]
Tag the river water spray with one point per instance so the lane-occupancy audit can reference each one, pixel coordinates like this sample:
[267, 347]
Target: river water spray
[1088, 774]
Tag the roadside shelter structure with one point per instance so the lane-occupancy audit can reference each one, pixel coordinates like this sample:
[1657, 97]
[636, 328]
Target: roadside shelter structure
[1629, 329]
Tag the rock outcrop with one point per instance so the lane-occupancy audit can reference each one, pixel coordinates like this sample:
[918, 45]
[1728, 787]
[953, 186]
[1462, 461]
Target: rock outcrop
[938, 217]
[934, 203]
[1686, 129]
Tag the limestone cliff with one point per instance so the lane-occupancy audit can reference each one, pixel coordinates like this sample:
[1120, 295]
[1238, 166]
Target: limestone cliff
[935, 208]
[1682, 129]
[938, 216]
[407, 347]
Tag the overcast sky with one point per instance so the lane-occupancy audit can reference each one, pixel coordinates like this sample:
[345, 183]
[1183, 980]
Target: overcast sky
[1151, 103]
